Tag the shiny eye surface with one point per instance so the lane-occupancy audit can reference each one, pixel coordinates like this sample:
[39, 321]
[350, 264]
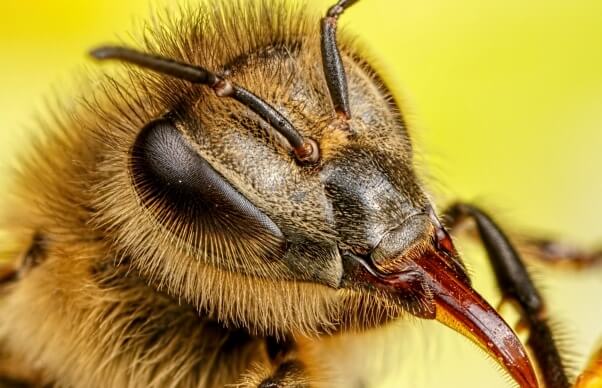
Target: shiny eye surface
[190, 198]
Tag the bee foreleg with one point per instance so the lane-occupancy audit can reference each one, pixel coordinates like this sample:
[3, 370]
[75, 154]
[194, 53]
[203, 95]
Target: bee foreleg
[283, 367]
[289, 374]
[7, 274]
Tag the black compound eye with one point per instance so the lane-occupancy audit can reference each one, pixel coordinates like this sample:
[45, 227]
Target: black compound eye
[191, 198]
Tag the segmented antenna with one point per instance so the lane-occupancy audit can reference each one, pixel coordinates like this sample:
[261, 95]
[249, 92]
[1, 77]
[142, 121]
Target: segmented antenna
[305, 150]
[331, 59]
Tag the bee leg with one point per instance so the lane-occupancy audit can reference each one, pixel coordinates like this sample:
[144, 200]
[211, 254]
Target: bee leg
[288, 371]
[10, 383]
[289, 374]
[31, 258]
[16, 373]
[7, 274]
[561, 254]
[515, 282]
[281, 368]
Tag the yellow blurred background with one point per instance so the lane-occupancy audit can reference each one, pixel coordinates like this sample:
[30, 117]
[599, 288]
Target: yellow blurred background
[505, 102]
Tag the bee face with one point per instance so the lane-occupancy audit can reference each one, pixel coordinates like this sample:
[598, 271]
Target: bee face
[223, 175]
[199, 183]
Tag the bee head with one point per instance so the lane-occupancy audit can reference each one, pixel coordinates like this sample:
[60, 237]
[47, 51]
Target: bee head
[277, 192]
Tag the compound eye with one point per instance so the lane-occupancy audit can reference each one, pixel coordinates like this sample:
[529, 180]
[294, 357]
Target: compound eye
[191, 199]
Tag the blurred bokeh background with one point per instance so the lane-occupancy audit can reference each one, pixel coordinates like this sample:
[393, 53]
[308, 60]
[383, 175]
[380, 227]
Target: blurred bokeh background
[505, 103]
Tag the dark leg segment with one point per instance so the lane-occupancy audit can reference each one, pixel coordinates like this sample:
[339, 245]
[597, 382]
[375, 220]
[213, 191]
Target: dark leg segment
[565, 255]
[7, 274]
[6, 382]
[515, 282]
[289, 372]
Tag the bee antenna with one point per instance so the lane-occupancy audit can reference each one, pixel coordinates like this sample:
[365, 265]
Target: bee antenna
[305, 150]
[331, 59]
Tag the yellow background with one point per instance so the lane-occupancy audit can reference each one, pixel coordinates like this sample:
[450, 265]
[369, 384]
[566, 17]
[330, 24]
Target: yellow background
[505, 100]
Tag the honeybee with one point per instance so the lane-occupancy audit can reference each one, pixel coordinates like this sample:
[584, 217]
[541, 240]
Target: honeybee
[233, 209]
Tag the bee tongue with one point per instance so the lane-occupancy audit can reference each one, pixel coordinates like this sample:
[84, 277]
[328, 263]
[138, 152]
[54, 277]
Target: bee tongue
[461, 308]
[432, 284]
